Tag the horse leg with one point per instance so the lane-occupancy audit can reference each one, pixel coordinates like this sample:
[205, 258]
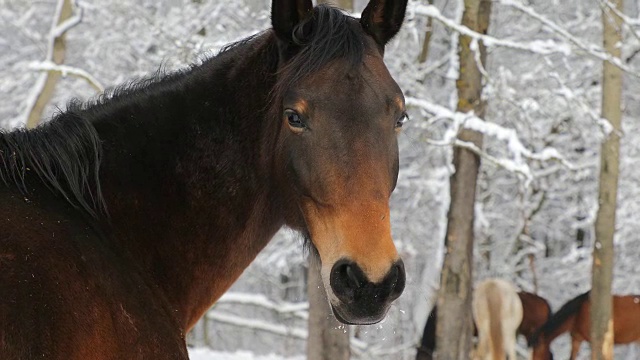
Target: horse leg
[509, 340]
[575, 347]
[511, 321]
[483, 347]
[511, 347]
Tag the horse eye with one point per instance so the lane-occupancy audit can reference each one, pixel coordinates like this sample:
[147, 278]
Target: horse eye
[403, 119]
[294, 119]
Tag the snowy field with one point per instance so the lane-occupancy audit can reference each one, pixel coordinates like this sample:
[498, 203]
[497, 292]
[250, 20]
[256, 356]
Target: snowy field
[208, 354]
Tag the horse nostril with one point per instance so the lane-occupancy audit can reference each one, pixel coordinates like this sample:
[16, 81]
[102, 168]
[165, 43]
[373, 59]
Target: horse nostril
[347, 280]
[350, 284]
[393, 276]
[397, 278]
[353, 278]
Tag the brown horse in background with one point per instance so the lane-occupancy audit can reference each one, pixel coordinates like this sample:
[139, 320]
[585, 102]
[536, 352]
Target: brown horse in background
[574, 317]
[122, 221]
[536, 311]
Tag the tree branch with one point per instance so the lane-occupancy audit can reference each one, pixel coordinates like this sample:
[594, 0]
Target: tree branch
[472, 122]
[537, 46]
[65, 70]
[46, 83]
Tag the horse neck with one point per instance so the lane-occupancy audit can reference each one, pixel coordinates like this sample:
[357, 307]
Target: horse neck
[188, 194]
[564, 319]
[553, 329]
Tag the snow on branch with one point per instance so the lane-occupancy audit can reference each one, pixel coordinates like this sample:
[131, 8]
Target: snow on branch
[537, 46]
[67, 24]
[629, 47]
[512, 166]
[380, 350]
[472, 122]
[277, 329]
[65, 70]
[357, 345]
[298, 309]
[591, 49]
[626, 19]
[42, 92]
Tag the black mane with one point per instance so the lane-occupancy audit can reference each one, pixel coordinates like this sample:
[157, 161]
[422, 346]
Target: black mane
[559, 318]
[65, 153]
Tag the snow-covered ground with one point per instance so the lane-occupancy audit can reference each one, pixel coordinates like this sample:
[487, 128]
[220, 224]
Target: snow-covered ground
[208, 354]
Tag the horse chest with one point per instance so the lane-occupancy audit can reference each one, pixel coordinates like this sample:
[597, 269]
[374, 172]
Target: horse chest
[66, 295]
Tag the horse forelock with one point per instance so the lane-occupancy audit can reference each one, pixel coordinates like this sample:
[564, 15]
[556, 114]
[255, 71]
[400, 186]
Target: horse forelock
[333, 35]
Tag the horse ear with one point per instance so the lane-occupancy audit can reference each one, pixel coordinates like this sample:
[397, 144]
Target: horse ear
[287, 14]
[382, 19]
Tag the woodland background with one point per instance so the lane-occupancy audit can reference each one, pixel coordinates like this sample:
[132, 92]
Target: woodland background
[537, 191]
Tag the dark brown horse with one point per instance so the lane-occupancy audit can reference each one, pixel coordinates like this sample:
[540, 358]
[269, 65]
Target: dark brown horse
[536, 311]
[122, 221]
[574, 317]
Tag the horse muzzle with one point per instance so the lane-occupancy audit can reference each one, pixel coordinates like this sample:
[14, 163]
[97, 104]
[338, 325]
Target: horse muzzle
[360, 301]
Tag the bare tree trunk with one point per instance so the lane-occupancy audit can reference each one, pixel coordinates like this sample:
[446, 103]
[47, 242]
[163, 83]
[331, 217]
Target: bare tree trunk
[205, 331]
[56, 55]
[601, 302]
[342, 4]
[455, 323]
[427, 39]
[534, 274]
[328, 338]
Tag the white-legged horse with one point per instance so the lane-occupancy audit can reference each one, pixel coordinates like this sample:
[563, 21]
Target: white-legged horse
[497, 312]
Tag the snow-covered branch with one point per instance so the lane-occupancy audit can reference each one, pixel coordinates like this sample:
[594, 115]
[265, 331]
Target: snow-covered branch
[591, 49]
[512, 166]
[277, 329]
[65, 70]
[537, 46]
[630, 22]
[67, 24]
[298, 309]
[472, 122]
[379, 351]
[56, 48]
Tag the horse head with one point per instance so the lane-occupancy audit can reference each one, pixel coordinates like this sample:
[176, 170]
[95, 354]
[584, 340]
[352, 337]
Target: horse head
[337, 152]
